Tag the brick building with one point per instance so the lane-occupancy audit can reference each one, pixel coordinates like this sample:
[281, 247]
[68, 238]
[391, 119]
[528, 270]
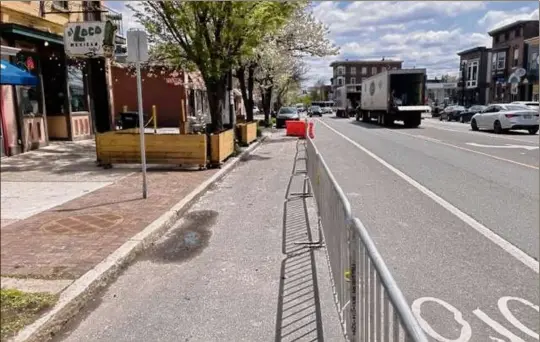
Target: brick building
[508, 54]
[352, 72]
[475, 76]
[532, 68]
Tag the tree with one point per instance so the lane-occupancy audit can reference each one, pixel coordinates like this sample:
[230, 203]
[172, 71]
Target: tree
[302, 36]
[210, 36]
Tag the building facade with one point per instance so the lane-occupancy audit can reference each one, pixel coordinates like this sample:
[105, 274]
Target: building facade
[72, 96]
[350, 73]
[531, 91]
[508, 54]
[474, 81]
[440, 92]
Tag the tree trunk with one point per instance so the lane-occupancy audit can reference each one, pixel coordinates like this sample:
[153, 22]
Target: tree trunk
[267, 101]
[216, 90]
[250, 87]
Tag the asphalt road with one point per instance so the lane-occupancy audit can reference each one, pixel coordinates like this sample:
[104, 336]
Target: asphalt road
[455, 215]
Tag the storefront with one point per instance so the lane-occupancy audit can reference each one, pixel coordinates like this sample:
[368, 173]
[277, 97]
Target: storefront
[58, 106]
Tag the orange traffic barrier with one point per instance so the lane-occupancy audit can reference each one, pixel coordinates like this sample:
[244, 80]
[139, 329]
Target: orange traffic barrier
[295, 128]
[311, 134]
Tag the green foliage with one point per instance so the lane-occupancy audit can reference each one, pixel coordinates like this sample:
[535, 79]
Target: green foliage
[18, 309]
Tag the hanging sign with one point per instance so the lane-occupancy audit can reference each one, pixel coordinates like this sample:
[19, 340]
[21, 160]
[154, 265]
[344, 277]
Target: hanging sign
[90, 39]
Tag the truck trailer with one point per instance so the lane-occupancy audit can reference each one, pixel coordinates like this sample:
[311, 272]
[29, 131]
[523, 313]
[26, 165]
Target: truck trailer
[394, 95]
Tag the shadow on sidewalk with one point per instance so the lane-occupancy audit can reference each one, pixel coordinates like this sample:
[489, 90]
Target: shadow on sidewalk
[298, 312]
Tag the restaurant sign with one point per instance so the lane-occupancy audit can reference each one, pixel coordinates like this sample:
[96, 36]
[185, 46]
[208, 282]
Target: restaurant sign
[90, 39]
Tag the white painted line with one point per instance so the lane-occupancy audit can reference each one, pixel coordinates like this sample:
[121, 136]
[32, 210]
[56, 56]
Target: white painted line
[477, 133]
[469, 150]
[499, 241]
[525, 147]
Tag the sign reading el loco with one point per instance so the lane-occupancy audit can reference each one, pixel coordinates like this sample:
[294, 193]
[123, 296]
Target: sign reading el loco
[89, 39]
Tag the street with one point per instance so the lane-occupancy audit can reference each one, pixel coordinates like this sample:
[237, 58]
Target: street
[454, 214]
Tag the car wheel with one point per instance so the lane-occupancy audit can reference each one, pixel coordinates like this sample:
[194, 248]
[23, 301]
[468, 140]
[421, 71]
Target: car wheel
[440, 118]
[462, 119]
[474, 126]
[497, 128]
[533, 131]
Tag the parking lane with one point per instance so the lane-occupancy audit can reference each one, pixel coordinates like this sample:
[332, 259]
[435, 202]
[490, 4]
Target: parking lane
[441, 263]
[521, 153]
[510, 137]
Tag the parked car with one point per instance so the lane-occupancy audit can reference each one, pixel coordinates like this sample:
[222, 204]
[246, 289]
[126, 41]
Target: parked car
[326, 110]
[286, 113]
[315, 110]
[530, 104]
[503, 117]
[451, 113]
[466, 115]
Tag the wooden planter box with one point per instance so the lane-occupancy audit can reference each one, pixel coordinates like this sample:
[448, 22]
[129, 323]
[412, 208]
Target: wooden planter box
[221, 146]
[248, 132]
[123, 147]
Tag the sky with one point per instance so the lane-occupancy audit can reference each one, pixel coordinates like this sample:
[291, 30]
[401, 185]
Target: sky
[424, 34]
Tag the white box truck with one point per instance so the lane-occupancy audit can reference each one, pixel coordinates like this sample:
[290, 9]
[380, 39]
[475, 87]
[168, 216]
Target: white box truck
[394, 95]
[341, 103]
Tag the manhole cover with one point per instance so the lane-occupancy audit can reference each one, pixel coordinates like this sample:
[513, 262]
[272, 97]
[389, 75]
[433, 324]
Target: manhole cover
[82, 224]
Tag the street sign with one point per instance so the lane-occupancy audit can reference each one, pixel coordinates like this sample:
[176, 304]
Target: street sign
[89, 39]
[137, 43]
[137, 46]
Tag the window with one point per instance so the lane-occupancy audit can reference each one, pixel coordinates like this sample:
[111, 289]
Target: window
[364, 71]
[533, 63]
[501, 60]
[494, 62]
[77, 91]
[472, 74]
[516, 56]
[341, 70]
[507, 36]
[497, 39]
[340, 81]
[353, 80]
[517, 32]
[373, 70]
[353, 70]
[61, 5]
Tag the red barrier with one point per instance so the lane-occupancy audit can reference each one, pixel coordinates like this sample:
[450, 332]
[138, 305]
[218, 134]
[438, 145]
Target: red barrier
[295, 128]
[311, 134]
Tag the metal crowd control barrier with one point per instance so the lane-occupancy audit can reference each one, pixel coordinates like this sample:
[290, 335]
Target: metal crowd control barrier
[371, 307]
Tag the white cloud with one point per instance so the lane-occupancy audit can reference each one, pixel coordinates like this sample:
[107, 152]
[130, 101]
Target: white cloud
[494, 19]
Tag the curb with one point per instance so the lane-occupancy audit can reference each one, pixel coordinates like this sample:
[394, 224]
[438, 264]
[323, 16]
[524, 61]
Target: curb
[76, 295]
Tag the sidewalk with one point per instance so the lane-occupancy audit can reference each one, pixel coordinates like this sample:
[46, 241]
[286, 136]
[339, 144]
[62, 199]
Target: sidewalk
[65, 241]
[229, 270]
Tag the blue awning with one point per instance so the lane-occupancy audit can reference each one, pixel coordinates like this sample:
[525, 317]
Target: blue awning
[10, 74]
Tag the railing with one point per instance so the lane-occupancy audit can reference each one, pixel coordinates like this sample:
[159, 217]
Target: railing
[371, 306]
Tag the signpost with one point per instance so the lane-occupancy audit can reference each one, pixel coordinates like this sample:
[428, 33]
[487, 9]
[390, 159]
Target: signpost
[137, 44]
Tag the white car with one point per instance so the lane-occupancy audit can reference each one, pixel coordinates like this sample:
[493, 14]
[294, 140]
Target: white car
[506, 116]
[530, 104]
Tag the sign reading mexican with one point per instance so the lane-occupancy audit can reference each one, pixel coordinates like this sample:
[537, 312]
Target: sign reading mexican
[89, 39]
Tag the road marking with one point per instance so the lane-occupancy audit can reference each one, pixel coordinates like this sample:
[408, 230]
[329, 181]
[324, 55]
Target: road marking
[499, 241]
[529, 148]
[469, 150]
[476, 133]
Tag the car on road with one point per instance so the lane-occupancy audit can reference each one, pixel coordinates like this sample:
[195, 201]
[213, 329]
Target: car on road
[530, 104]
[315, 110]
[466, 115]
[326, 110]
[504, 117]
[286, 113]
[451, 113]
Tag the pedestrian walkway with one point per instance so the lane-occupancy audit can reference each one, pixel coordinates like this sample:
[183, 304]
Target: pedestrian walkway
[38, 180]
[230, 269]
[66, 215]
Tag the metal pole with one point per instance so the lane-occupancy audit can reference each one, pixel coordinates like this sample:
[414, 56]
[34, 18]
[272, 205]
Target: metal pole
[141, 128]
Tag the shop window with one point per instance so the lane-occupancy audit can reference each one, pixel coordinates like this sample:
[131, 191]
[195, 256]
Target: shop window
[77, 91]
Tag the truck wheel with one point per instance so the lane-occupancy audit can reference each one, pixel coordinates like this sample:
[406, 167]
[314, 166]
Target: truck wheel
[357, 116]
[365, 117]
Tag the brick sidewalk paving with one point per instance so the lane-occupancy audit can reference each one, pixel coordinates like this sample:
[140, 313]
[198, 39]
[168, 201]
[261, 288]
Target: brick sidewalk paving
[68, 240]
